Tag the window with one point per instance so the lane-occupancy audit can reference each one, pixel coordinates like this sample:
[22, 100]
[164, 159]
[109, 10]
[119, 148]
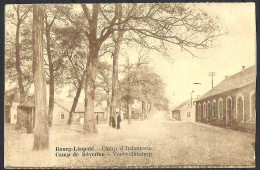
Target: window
[252, 106]
[62, 116]
[204, 110]
[15, 116]
[199, 112]
[188, 114]
[208, 110]
[220, 108]
[214, 108]
[240, 107]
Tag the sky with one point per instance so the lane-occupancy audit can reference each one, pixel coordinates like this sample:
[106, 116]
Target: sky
[235, 49]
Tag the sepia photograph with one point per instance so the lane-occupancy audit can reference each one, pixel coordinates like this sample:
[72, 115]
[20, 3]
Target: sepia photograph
[130, 85]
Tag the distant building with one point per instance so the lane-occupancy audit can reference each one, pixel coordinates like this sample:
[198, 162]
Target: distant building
[11, 112]
[62, 109]
[184, 112]
[61, 112]
[26, 115]
[231, 103]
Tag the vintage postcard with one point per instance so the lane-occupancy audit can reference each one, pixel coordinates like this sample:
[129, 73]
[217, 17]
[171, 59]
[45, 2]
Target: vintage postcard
[130, 85]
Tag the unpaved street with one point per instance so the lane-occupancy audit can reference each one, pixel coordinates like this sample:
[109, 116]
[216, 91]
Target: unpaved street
[172, 143]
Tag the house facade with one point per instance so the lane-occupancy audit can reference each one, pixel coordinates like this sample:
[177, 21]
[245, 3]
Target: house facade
[184, 112]
[11, 112]
[61, 112]
[231, 103]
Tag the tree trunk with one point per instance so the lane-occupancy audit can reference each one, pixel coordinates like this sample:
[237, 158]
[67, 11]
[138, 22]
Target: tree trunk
[51, 72]
[149, 109]
[89, 116]
[120, 109]
[129, 111]
[118, 43]
[94, 47]
[108, 112]
[146, 110]
[76, 98]
[18, 61]
[143, 110]
[41, 129]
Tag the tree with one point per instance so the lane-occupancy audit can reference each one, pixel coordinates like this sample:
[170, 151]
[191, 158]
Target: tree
[105, 85]
[73, 47]
[163, 23]
[118, 37]
[95, 43]
[21, 13]
[41, 129]
[141, 83]
[175, 24]
[129, 85]
[54, 60]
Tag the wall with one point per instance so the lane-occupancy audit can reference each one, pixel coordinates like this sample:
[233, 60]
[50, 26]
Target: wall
[14, 112]
[246, 125]
[58, 110]
[23, 119]
[184, 112]
[176, 114]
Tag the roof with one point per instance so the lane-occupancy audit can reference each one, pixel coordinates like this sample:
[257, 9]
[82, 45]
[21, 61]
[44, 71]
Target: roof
[80, 106]
[238, 80]
[27, 103]
[182, 105]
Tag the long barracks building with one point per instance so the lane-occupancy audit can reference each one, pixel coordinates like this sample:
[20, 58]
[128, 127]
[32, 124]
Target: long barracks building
[231, 103]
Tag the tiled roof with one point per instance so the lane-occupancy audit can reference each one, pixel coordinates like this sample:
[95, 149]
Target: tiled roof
[235, 81]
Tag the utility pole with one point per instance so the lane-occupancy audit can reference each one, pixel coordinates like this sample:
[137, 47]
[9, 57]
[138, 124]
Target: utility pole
[212, 74]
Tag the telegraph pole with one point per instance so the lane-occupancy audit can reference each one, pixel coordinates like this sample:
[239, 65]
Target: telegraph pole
[212, 74]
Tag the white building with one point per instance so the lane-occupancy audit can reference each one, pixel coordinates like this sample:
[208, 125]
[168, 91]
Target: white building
[11, 112]
[184, 112]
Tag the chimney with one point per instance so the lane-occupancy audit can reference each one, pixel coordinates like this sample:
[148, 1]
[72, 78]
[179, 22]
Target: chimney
[243, 68]
[226, 76]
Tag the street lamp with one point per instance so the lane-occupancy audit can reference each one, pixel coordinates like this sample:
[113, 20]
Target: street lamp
[191, 98]
[197, 83]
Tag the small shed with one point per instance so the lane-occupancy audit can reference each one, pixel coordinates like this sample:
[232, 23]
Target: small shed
[26, 115]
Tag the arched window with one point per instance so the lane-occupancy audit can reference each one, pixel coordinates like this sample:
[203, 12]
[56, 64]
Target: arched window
[229, 112]
[252, 106]
[199, 112]
[208, 110]
[240, 107]
[214, 108]
[204, 110]
[220, 108]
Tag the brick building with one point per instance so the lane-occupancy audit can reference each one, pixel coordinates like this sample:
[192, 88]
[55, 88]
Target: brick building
[231, 103]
